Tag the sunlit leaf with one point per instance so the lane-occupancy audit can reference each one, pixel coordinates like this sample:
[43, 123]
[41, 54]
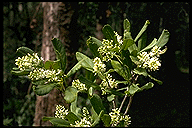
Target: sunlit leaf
[70, 94]
[57, 121]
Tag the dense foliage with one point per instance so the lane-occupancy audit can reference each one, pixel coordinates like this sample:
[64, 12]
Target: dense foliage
[22, 26]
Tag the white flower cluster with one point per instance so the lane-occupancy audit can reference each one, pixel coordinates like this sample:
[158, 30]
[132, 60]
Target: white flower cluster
[116, 117]
[119, 38]
[107, 83]
[78, 85]
[61, 112]
[41, 73]
[85, 121]
[29, 61]
[151, 60]
[99, 66]
[109, 48]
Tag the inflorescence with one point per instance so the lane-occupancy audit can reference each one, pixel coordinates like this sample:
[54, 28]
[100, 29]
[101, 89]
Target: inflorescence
[29, 61]
[117, 118]
[151, 60]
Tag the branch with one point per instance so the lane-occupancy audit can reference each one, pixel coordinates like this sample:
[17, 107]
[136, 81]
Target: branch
[129, 104]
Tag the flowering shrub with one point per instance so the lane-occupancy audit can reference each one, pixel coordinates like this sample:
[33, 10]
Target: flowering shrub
[114, 55]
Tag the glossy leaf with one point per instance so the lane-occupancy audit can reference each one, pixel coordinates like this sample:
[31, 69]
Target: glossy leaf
[163, 39]
[88, 82]
[97, 103]
[142, 30]
[57, 121]
[18, 72]
[133, 89]
[127, 43]
[140, 71]
[96, 121]
[158, 81]
[74, 69]
[70, 94]
[76, 110]
[126, 25]
[110, 97]
[119, 69]
[52, 64]
[152, 44]
[71, 117]
[60, 52]
[93, 44]
[44, 89]
[146, 86]
[142, 41]
[108, 32]
[86, 62]
[106, 120]
[22, 51]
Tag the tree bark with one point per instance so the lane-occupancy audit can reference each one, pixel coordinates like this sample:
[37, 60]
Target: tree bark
[53, 26]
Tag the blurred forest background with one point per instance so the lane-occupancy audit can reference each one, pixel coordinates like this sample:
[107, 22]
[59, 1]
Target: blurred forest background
[163, 105]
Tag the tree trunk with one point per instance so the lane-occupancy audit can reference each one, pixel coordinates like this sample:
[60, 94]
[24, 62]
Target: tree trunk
[52, 27]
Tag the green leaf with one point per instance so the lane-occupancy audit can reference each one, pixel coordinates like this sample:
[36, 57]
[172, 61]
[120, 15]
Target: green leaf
[88, 82]
[57, 121]
[135, 60]
[44, 89]
[108, 32]
[60, 52]
[71, 117]
[127, 43]
[76, 110]
[39, 82]
[18, 72]
[22, 51]
[133, 89]
[120, 70]
[86, 62]
[127, 35]
[70, 94]
[96, 121]
[74, 69]
[52, 64]
[153, 43]
[140, 71]
[163, 39]
[146, 86]
[97, 103]
[106, 120]
[158, 81]
[142, 41]
[93, 44]
[142, 30]
[111, 97]
[126, 25]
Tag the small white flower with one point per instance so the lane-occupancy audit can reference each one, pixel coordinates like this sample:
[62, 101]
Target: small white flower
[151, 60]
[28, 61]
[116, 117]
[85, 121]
[99, 66]
[41, 73]
[77, 84]
[61, 112]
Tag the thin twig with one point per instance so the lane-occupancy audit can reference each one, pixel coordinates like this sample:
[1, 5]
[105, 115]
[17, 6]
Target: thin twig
[129, 104]
[122, 102]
